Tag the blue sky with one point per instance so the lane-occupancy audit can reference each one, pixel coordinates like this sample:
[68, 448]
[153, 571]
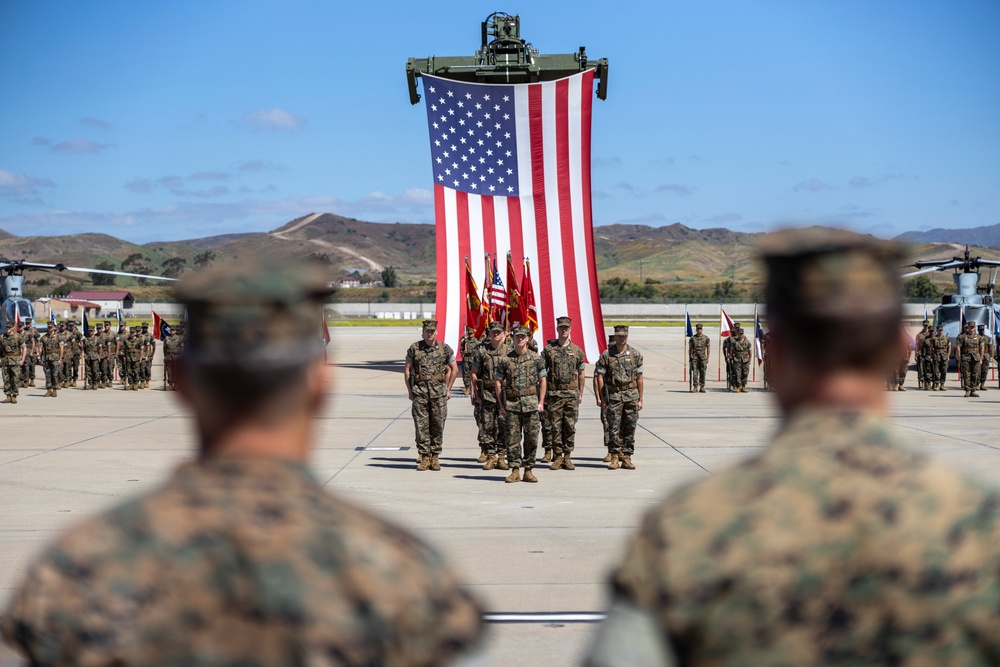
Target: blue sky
[173, 120]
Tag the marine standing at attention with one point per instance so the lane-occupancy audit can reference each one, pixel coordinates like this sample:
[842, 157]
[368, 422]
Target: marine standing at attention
[619, 373]
[429, 372]
[742, 354]
[969, 352]
[520, 389]
[699, 351]
[941, 350]
[12, 350]
[918, 344]
[52, 350]
[469, 346]
[838, 544]
[565, 363]
[492, 430]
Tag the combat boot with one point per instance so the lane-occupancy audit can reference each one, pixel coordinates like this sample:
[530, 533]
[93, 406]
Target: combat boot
[556, 462]
[13, 399]
[967, 393]
[902, 388]
[568, 462]
[435, 465]
[9, 399]
[701, 390]
[514, 476]
[529, 476]
[613, 465]
[972, 393]
[425, 463]
[48, 392]
[55, 392]
[627, 462]
[483, 456]
[982, 387]
[491, 462]
[607, 457]
[548, 455]
[502, 462]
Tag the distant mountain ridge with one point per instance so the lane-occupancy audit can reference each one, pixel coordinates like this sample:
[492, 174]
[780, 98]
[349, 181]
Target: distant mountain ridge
[985, 237]
[672, 253]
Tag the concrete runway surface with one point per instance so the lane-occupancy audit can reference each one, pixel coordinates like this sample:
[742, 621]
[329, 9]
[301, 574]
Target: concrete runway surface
[537, 552]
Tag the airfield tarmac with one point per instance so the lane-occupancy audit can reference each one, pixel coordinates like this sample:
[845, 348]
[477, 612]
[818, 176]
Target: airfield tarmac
[537, 555]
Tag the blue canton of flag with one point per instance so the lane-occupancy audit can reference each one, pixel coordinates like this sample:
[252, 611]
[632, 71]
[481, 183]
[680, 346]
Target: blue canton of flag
[688, 331]
[473, 137]
[52, 316]
[86, 323]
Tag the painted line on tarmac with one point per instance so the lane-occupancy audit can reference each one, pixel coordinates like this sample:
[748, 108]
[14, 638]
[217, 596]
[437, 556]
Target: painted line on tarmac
[545, 617]
[380, 449]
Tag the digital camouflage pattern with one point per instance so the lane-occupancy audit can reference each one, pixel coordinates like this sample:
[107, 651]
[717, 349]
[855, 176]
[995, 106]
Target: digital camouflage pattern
[93, 346]
[742, 349]
[240, 561]
[563, 364]
[698, 350]
[836, 546]
[428, 373]
[984, 368]
[12, 346]
[31, 336]
[469, 345]
[519, 376]
[492, 427]
[918, 343]
[51, 349]
[940, 351]
[621, 369]
[968, 346]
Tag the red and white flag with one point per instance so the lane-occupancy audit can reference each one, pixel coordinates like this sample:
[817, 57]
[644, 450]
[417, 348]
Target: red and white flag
[511, 166]
[725, 324]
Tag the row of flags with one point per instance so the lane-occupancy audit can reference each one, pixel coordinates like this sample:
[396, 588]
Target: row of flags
[511, 304]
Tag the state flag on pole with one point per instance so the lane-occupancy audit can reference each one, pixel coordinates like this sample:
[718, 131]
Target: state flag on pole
[515, 303]
[758, 337]
[473, 306]
[17, 318]
[725, 324]
[511, 169]
[121, 318]
[160, 327]
[688, 331]
[52, 315]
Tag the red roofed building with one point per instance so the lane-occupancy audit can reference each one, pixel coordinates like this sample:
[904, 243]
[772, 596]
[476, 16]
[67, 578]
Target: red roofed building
[108, 302]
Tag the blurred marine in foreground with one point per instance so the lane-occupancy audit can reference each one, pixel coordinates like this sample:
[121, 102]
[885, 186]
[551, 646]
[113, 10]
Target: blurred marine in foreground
[837, 545]
[241, 557]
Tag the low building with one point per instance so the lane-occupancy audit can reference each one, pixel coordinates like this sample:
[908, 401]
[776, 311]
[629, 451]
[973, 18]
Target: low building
[109, 302]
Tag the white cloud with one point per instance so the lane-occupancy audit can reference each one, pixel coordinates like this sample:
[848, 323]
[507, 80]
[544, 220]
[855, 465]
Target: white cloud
[14, 185]
[79, 146]
[97, 123]
[273, 119]
[811, 185]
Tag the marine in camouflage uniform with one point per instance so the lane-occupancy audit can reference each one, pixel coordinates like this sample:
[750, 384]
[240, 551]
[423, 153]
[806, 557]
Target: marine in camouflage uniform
[603, 405]
[742, 350]
[133, 359]
[12, 352]
[941, 352]
[109, 356]
[969, 351]
[75, 348]
[52, 352]
[241, 558]
[903, 364]
[565, 363]
[469, 346]
[984, 369]
[520, 389]
[171, 351]
[918, 343]
[146, 363]
[927, 354]
[492, 430]
[429, 372]
[93, 347]
[64, 368]
[699, 351]
[121, 359]
[727, 355]
[837, 545]
[31, 336]
[619, 373]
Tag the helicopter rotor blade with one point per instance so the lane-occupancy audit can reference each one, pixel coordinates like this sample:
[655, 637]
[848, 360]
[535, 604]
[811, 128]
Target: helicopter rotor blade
[80, 269]
[929, 269]
[67, 277]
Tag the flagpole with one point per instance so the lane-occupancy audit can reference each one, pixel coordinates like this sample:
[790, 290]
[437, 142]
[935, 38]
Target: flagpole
[753, 366]
[685, 374]
[719, 360]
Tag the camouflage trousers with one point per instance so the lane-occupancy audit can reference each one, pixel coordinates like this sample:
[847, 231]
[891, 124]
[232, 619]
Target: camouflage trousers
[623, 417]
[28, 369]
[698, 372]
[741, 372]
[93, 372]
[52, 373]
[604, 425]
[145, 369]
[492, 428]
[563, 412]
[545, 427]
[939, 369]
[11, 378]
[522, 438]
[132, 371]
[429, 414]
[970, 372]
[922, 370]
[105, 370]
[984, 371]
[466, 375]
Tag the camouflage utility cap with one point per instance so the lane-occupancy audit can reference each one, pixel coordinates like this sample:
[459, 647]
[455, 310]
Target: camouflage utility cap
[430, 325]
[830, 273]
[563, 321]
[252, 313]
[699, 326]
[520, 330]
[621, 329]
[496, 326]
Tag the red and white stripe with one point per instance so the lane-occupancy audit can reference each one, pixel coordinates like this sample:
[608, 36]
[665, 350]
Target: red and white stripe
[549, 222]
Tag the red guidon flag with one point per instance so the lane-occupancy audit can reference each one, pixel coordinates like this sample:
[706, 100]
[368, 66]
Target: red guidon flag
[511, 169]
[725, 324]
[528, 295]
[473, 306]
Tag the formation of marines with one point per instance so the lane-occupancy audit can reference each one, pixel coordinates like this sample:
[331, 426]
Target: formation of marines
[67, 356]
[974, 351]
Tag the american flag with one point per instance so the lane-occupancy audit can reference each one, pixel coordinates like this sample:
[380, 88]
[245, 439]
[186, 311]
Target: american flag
[511, 169]
[498, 294]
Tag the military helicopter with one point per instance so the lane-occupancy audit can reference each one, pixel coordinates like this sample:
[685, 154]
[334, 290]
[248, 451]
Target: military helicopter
[15, 307]
[506, 59]
[972, 302]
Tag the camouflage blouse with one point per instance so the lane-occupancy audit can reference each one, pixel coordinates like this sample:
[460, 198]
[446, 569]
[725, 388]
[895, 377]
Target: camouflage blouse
[484, 363]
[836, 546]
[11, 345]
[563, 364]
[240, 561]
[429, 368]
[621, 371]
[698, 346]
[519, 376]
